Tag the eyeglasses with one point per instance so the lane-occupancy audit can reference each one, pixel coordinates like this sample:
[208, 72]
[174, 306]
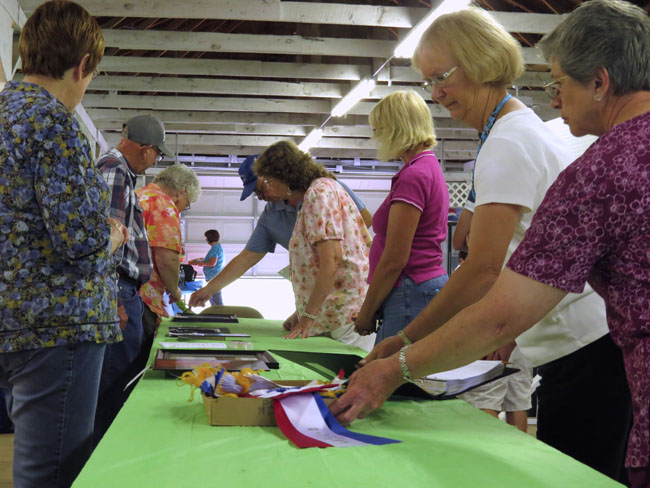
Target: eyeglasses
[438, 81]
[187, 199]
[552, 89]
[159, 154]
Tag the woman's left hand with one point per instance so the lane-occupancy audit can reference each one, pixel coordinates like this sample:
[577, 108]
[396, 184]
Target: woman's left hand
[302, 329]
[119, 234]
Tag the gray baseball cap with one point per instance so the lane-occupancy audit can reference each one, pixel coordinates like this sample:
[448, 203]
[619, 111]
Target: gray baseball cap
[147, 130]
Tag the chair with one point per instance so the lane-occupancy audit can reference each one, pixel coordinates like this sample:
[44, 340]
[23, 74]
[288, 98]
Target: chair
[242, 312]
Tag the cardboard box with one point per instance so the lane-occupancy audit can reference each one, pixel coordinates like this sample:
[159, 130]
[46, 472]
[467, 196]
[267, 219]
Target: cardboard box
[245, 411]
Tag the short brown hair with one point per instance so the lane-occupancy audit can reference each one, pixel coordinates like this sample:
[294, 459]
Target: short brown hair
[56, 37]
[212, 235]
[285, 162]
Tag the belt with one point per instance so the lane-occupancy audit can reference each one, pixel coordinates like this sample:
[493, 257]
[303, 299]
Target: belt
[132, 281]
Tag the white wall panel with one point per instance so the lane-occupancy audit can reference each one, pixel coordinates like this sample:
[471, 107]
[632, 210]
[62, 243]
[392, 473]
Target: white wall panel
[213, 202]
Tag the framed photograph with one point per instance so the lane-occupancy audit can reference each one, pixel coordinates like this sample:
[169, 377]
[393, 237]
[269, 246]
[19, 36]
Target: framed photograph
[187, 332]
[180, 360]
[208, 317]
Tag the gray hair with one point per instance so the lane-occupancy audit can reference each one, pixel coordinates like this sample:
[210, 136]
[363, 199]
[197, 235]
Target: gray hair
[179, 177]
[610, 34]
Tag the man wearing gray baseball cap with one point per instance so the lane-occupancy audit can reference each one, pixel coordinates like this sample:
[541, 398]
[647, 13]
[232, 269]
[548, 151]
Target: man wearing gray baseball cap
[142, 145]
[147, 130]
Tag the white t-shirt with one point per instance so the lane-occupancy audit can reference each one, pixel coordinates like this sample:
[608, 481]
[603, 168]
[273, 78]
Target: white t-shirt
[516, 165]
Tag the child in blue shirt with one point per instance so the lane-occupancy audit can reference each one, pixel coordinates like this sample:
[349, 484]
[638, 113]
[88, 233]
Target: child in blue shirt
[212, 263]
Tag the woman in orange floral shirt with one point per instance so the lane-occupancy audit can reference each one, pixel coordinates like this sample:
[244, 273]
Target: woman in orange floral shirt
[171, 192]
[328, 249]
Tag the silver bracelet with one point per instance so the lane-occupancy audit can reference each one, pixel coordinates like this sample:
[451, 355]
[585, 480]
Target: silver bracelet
[405, 338]
[309, 315]
[406, 374]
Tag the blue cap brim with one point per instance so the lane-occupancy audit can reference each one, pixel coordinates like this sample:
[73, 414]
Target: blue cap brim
[248, 189]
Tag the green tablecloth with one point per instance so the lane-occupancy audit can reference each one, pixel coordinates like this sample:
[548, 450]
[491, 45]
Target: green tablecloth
[161, 440]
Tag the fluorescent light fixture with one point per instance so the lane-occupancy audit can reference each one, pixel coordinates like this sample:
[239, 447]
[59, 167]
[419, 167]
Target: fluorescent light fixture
[359, 92]
[311, 140]
[406, 48]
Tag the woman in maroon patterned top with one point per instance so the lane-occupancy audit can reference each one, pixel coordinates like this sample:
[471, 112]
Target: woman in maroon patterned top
[593, 226]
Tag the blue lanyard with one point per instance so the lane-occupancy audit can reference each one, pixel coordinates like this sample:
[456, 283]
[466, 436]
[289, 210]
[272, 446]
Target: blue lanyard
[484, 135]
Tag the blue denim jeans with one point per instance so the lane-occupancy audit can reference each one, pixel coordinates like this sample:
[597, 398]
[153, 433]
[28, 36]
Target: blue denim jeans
[51, 398]
[118, 369]
[216, 299]
[405, 302]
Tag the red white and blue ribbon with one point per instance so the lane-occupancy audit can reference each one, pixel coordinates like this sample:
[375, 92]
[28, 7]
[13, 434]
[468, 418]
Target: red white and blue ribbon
[307, 422]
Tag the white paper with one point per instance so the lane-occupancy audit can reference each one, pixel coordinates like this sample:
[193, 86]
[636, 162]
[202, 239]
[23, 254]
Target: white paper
[471, 370]
[193, 345]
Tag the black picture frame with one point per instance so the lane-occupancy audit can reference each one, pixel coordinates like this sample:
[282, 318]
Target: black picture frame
[207, 317]
[179, 360]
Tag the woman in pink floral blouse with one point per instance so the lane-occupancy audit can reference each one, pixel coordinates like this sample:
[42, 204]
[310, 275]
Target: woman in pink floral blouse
[328, 249]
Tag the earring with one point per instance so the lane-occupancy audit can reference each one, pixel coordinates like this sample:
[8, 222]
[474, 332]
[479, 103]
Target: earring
[289, 192]
[597, 97]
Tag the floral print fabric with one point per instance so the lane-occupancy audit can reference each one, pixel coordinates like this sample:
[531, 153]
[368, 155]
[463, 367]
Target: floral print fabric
[594, 226]
[163, 223]
[58, 284]
[328, 212]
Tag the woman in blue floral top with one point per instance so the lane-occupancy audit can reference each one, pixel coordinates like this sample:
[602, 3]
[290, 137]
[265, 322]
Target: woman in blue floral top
[57, 285]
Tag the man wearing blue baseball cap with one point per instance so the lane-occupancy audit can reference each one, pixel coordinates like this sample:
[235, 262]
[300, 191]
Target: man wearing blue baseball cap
[274, 226]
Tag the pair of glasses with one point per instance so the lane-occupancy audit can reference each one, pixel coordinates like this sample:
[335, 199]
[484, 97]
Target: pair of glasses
[552, 88]
[189, 204]
[159, 154]
[438, 81]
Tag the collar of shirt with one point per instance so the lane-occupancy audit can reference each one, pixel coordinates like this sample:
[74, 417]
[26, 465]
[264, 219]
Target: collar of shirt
[115, 152]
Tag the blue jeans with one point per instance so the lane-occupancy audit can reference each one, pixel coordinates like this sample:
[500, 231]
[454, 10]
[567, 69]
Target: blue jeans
[405, 302]
[51, 398]
[119, 361]
[216, 299]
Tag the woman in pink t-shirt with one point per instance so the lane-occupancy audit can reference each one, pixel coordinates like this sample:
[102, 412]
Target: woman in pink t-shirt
[329, 246]
[406, 269]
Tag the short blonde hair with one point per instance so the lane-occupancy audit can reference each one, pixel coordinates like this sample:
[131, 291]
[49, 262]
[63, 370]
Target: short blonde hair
[401, 122]
[483, 48]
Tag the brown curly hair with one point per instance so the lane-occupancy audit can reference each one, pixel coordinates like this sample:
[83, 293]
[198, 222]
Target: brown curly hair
[285, 162]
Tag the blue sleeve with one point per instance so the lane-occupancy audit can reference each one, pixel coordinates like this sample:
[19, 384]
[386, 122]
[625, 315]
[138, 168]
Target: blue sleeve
[357, 201]
[213, 252]
[220, 257]
[261, 240]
